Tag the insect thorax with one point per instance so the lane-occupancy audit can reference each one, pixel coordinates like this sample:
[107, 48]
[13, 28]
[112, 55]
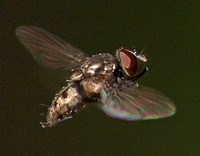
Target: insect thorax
[95, 73]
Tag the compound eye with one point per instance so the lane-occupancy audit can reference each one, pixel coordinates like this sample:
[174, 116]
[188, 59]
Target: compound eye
[128, 61]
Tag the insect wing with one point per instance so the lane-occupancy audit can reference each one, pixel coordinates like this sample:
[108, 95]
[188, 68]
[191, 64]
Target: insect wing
[137, 103]
[48, 49]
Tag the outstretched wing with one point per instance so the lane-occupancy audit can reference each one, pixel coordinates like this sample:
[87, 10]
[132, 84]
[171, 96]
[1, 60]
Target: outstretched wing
[136, 103]
[48, 49]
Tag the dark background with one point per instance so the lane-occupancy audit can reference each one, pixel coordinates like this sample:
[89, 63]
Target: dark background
[170, 32]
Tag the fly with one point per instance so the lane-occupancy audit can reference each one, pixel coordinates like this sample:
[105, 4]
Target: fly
[104, 79]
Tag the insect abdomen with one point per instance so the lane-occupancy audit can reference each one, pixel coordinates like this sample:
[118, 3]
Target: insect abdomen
[68, 101]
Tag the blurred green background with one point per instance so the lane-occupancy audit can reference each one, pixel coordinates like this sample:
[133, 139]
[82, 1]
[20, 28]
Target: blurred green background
[170, 32]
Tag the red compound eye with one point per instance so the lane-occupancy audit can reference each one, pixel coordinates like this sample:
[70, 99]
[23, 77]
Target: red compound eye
[128, 61]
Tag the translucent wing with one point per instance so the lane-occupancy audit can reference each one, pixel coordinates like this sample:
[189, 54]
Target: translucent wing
[48, 49]
[136, 103]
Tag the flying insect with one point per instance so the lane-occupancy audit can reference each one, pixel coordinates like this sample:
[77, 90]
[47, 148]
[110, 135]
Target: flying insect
[108, 81]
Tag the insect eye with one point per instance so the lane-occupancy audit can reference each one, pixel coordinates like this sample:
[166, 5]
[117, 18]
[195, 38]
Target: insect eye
[128, 61]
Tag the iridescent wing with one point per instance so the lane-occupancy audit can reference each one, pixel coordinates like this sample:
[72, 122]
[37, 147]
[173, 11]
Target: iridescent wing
[48, 49]
[136, 103]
